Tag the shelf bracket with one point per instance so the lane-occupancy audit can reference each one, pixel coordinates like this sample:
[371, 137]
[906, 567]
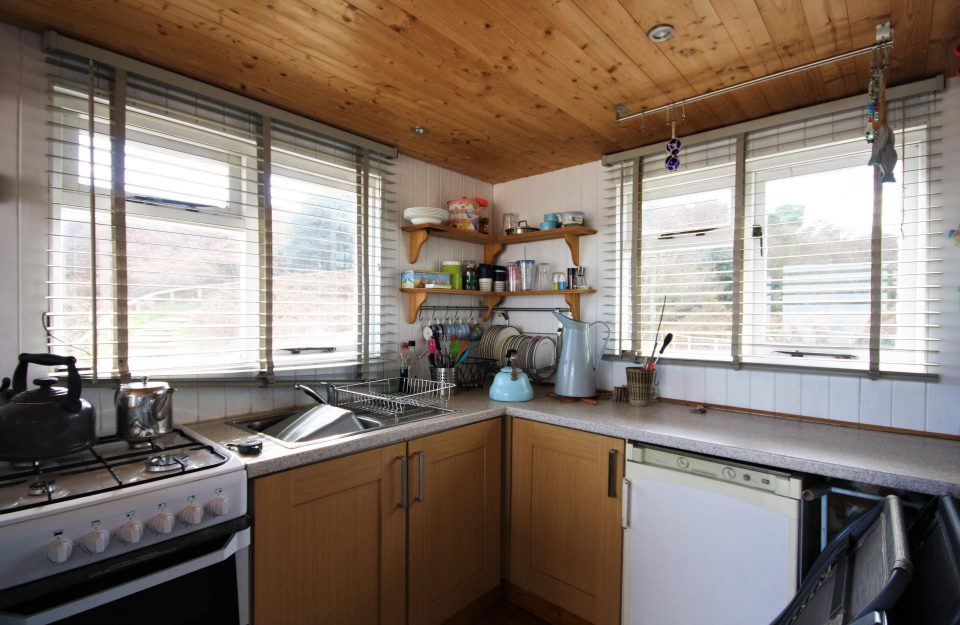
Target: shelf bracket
[490, 302]
[417, 239]
[573, 301]
[573, 242]
[491, 251]
[414, 302]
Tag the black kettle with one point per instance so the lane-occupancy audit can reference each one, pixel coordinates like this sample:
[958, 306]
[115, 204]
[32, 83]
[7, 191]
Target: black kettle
[46, 421]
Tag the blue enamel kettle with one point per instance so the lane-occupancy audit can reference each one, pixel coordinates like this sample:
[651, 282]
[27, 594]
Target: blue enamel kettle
[511, 384]
[576, 369]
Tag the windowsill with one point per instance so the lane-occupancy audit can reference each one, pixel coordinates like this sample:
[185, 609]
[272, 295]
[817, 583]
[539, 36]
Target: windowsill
[750, 366]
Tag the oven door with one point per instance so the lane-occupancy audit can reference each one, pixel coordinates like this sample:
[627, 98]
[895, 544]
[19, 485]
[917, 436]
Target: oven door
[202, 577]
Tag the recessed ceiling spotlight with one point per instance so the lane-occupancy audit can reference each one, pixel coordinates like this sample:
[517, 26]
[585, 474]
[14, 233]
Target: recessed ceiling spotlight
[661, 33]
[419, 130]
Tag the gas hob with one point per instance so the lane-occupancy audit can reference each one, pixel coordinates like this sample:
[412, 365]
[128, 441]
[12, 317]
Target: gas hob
[109, 465]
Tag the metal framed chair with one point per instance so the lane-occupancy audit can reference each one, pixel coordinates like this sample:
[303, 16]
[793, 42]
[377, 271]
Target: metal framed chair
[859, 576]
[933, 596]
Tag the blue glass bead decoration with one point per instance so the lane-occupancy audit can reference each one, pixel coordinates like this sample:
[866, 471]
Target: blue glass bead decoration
[673, 146]
[672, 163]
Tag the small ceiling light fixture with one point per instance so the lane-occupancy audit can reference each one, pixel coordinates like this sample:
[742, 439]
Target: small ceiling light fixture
[661, 33]
[419, 130]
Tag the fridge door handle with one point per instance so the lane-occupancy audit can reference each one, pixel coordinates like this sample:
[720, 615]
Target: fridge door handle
[625, 505]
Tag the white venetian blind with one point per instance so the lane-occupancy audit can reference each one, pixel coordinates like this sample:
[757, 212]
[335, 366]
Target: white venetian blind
[671, 236]
[619, 230]
[327, 249]
[813, 289]
[81, 315]
[226, 243]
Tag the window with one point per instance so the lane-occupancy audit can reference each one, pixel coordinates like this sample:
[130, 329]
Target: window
[809, 277]
[226, 243]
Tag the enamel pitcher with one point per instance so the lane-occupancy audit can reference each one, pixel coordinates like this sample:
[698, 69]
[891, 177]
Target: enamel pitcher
[576, 370]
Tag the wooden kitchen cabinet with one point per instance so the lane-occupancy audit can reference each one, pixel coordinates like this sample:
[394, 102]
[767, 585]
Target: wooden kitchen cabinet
[454, 520]
[329, 542]
[565, 533]
[333, 543]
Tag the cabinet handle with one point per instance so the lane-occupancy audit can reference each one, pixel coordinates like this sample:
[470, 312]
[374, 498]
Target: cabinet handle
[404, 482]
[422, 467]
[625, 508]
[612, 474]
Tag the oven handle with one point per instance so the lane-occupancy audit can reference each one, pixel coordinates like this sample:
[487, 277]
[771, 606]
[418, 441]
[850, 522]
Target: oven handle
[237, 542]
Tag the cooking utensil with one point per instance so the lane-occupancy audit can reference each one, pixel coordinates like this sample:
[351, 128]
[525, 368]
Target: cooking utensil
[47, 421]
[666, 341]
[144, 410]
[656, 339]
[521, 227]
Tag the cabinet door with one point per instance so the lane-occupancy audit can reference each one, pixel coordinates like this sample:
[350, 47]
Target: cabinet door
[328, 544]
[565, 532]
[454, 520]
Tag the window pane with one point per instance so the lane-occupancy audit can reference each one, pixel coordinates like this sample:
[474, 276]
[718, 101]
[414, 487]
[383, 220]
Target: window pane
[807, 286]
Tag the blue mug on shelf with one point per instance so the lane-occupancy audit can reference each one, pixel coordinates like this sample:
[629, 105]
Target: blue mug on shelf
[555, 217]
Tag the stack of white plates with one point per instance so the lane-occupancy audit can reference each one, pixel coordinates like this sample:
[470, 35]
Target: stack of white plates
[425, 215]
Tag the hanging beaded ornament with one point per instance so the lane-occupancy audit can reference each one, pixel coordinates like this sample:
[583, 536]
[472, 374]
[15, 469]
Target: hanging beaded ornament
[874, 89]
[673, 146]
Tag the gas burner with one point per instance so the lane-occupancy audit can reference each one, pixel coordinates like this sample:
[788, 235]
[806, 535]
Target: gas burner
[42, 488]
[165, 462]
[140, 446]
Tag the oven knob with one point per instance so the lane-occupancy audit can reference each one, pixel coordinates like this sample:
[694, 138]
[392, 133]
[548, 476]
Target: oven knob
[60, 550]
[728, 473]
[96, 541]
[130, 533]
[162, 523]
[192, 514]
[219, 506]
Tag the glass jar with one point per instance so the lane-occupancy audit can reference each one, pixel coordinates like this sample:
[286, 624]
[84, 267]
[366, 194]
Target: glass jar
[470, 276]
[452, 267]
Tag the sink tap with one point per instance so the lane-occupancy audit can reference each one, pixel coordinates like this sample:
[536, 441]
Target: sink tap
[309, 391]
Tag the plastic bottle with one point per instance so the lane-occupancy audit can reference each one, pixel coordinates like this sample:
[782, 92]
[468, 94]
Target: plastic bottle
[404, 361]
[414, 368]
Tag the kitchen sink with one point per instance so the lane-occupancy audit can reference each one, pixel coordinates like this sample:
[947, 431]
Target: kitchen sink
[267, 428]
[300, 429]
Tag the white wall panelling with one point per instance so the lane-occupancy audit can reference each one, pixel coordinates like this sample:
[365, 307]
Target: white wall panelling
[423, 184]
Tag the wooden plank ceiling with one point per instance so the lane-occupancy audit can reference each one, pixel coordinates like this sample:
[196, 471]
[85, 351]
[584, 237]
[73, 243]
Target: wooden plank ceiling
[509, 89]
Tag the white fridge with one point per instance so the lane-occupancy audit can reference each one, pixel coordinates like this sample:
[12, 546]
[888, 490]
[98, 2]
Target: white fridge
[707, 541]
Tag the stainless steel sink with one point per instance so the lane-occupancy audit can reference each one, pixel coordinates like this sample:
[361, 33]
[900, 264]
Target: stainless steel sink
[297, 431]
[297, 437]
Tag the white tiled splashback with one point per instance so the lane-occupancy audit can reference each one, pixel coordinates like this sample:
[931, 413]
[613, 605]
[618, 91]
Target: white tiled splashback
[912, 405]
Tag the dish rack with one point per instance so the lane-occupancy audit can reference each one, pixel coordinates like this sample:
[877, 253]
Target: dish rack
[393, 396]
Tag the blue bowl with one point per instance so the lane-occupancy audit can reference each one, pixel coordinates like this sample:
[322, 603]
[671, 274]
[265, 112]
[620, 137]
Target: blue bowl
[551, 217]
[549, 225]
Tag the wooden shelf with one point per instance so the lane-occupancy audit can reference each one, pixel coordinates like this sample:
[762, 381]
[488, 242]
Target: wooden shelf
[491, 299]
[492, 244]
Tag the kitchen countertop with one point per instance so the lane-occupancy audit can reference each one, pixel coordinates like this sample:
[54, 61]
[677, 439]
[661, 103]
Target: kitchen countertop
[916, 463]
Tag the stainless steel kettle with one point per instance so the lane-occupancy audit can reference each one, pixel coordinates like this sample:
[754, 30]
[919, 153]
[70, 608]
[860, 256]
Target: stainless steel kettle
[144, 410]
